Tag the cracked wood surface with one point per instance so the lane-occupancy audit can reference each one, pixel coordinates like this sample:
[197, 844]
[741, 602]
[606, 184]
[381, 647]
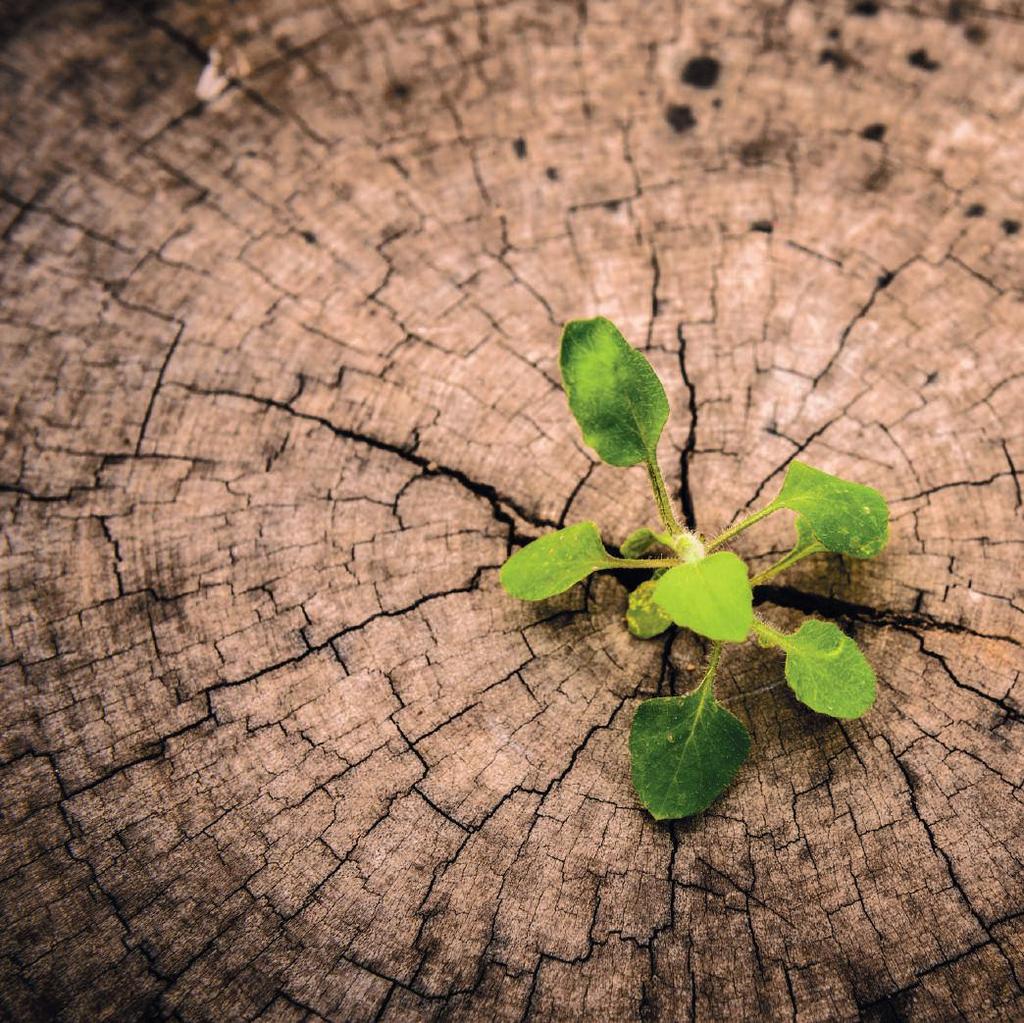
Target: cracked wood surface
[280, 395]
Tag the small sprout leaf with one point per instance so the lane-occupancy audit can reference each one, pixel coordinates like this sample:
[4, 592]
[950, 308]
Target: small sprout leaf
[554, 562]
[613, 392]
[643, 617]
[848, 518]
[639, 542]
[711, 596]
[827, 671]
[685, 751]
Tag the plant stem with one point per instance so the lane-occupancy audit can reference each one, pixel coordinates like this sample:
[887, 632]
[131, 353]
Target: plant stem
[768, 634]
[654, 563]
[706, 687]
[740, 526]
[788, 561]
[661, 499]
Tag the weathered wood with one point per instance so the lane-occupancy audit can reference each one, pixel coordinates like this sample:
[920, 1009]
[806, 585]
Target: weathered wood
[280, 394]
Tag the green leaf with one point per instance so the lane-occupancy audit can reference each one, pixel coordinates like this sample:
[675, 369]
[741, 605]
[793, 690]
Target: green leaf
[613, 392]
[554, 562]
[848, 518]
[643, 617]
[638, 542]
[826, 670]
[805, 537]
[711, 596]
[685, 751]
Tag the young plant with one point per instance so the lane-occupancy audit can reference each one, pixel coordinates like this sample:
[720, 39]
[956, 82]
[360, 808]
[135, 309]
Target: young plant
[686, 749]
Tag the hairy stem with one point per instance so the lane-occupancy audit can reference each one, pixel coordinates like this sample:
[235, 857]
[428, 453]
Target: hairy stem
[652, 563]
[661, 499]
[707, 683]
[768, 635]
[795, 555]
[740, 526]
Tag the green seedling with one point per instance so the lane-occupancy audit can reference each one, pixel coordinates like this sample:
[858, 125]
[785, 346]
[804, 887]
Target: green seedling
[686, 750]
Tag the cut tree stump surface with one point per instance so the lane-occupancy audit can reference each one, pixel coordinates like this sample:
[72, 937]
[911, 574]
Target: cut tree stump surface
[280, 394]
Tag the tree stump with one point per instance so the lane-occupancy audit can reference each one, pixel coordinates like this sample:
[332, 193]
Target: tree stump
[282, 289]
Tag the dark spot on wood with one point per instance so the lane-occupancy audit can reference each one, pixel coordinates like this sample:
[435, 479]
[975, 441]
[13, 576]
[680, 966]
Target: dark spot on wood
[837, 58]
[920, 59]
[757, 151]
[764, 226]
[955, 12]
[873, 132]
[976, 34]
[701, 72]
[932, 377]
[717, 102]
[612, 205]
[398, 92]
[833, 33]
[976, 209]
[865, 9]
[878, 178]
[884, 280]
[680, 117]
[309, 237]
[1010, 226]
[552, 173]
[398, 165]
[519, 145]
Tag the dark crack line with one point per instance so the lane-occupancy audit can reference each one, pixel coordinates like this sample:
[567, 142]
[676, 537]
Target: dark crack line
[319, 647]
[580, 484]
[26, 206]
[834, 607]
[156, 388]
[489, 493]
[987, 481]
[1014, 473]
[685, 494]
[939, 850]
[798, 449]
[880, 284]
[158, 753]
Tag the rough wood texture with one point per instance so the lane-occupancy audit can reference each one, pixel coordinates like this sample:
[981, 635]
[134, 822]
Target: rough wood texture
[280, 394]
